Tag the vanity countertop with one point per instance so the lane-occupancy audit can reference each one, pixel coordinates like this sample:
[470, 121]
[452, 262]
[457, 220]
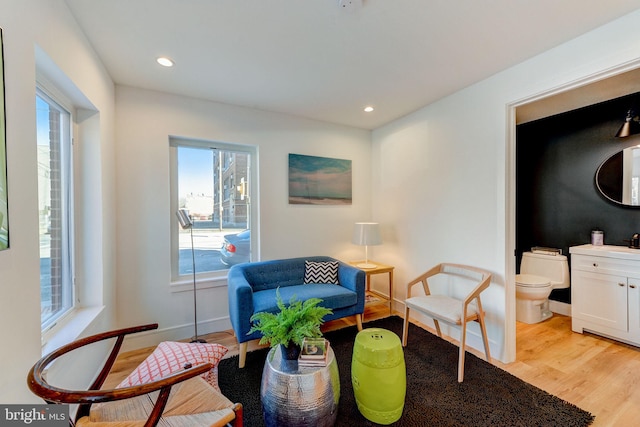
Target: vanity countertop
[610, 251]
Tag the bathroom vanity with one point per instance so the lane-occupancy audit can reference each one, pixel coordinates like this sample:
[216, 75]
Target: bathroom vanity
[605, 291]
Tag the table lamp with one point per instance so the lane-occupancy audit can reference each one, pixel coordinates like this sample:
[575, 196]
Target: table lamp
[366, 234]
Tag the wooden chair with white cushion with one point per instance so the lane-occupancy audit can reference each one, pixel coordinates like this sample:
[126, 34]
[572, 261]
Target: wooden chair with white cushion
[457, 305]
[175, 386]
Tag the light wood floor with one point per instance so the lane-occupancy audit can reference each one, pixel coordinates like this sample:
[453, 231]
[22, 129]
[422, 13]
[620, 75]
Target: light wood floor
[598, 375]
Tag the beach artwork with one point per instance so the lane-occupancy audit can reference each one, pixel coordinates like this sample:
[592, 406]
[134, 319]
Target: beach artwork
[319, 180]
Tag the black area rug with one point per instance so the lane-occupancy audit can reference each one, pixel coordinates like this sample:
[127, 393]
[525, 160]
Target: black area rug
[488, 396]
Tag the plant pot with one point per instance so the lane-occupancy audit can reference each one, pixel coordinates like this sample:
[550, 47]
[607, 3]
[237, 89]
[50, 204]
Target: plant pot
[290, 352]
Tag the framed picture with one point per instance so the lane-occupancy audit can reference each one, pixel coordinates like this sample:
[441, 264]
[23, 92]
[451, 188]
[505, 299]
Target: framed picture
[319, 180]
[4, 200]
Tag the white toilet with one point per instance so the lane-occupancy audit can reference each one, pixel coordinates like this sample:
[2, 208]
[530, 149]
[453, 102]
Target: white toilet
[540, 272]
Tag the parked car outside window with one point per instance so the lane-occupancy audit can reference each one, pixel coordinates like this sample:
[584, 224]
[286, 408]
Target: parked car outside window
[236, 248]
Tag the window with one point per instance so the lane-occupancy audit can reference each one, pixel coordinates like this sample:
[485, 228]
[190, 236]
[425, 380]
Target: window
[55, 207]
[211, 181]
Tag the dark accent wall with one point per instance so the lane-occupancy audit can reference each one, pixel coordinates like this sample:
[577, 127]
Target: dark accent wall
[557, 202]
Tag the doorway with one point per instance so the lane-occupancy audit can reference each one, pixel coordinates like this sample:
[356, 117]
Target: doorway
[592, 90]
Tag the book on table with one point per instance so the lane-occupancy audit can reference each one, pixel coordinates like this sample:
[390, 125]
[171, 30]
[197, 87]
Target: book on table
[313, 348]
[314, 352]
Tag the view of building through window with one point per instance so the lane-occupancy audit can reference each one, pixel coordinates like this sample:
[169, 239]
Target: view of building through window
[213, 186]
[54, 208]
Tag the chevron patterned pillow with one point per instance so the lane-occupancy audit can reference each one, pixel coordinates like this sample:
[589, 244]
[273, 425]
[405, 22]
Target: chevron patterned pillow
[321, 272]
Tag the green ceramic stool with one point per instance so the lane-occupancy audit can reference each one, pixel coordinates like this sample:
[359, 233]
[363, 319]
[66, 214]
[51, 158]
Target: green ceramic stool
[379, 375]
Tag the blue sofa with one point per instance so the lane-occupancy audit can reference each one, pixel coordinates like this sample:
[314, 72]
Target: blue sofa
[252, 289]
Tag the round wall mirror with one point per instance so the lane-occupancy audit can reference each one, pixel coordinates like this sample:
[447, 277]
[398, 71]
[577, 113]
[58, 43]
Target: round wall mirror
[618, 177]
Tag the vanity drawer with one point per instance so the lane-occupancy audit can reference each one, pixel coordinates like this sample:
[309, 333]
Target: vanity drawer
[605, 265]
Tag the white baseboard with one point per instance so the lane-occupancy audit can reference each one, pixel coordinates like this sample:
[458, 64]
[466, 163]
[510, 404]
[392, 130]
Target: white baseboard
[175, 333]
[560, 307]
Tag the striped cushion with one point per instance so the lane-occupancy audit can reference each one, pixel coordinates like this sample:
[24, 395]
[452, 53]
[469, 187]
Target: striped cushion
[170, 357]
[321, 272]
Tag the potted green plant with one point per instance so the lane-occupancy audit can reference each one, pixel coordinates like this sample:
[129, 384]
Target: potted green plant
[291, 324]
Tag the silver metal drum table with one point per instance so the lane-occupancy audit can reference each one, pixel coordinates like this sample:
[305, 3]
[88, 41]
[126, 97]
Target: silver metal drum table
[299, 396]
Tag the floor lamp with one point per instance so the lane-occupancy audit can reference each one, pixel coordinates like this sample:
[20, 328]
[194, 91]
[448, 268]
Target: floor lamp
[186, 223]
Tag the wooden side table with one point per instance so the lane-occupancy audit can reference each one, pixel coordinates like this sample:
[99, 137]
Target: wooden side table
[379, 269]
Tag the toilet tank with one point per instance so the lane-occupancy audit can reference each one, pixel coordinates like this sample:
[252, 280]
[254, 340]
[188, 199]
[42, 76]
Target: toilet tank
[553, 266]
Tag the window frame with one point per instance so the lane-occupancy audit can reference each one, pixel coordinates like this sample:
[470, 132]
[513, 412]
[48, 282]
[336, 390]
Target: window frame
[48, 93]
[209, 277]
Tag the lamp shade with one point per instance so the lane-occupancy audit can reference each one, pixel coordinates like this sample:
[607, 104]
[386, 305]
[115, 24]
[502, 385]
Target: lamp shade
[631, 126]
[183, 218]
[366, 234]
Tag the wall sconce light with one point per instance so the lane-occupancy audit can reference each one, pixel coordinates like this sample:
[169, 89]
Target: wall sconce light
[186, 223]
[631, 125]
[366, 234]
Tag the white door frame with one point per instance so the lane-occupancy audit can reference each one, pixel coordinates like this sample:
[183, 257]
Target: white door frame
[510, 170]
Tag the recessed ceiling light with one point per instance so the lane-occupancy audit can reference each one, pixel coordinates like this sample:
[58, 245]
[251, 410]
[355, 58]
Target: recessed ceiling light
[368, 109]
[164, 61]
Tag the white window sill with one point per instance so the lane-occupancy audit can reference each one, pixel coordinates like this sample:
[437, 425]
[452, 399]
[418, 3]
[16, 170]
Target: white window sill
[69, 328]
[183, 285]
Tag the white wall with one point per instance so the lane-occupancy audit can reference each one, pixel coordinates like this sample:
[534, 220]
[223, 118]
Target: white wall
[436, 180]
[443, 189]
[47, 27]
[144, 122]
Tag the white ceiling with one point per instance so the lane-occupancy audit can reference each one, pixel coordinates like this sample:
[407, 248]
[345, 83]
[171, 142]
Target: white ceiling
[317, 59]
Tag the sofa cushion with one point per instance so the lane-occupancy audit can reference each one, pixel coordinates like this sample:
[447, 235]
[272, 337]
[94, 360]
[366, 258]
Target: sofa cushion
[272, 274]
[321, 272]
[170, 357]
[332, 296]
